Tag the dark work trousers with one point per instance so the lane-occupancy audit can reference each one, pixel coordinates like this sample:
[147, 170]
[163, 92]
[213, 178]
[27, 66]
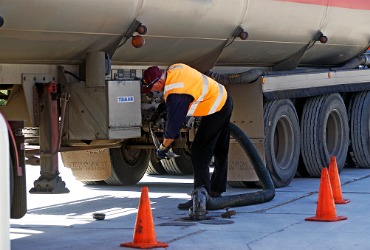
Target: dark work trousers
[212, 139]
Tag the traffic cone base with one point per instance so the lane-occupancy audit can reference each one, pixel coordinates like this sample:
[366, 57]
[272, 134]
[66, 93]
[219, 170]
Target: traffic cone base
[325, 210]
[317, 218]
[144, 233]
[335, 182]
[342, 201]
[144, 245]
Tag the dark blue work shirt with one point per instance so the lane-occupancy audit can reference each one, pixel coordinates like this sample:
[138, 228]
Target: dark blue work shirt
[177, 106]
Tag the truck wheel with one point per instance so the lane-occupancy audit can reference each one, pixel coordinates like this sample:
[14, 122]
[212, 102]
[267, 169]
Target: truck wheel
[128, 165]
[325, 133]
[359, 112]
[180, 165]
[282, 141]
[155, 166]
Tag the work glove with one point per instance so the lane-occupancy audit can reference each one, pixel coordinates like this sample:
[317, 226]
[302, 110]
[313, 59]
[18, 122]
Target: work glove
[165, 153]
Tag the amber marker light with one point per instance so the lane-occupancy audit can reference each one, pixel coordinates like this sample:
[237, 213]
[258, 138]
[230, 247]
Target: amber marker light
[137, 41]
[264, 79]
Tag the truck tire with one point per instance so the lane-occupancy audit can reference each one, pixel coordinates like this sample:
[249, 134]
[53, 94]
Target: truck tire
[155, 166]
[180, 165]
[128, 165]
[282, 141]
[359, 113]
[325, 133]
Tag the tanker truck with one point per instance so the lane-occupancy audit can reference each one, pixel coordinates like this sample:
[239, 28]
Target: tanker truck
[70, 73]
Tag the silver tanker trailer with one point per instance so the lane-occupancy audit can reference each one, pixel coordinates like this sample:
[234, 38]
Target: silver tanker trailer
[70, 82]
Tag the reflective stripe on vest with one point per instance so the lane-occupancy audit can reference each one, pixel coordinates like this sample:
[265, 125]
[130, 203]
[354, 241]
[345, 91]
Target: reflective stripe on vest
[176, 85]
[218, 100]
[175, 66]
[195, 104]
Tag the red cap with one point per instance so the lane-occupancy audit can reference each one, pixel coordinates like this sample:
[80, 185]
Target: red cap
[151, 75]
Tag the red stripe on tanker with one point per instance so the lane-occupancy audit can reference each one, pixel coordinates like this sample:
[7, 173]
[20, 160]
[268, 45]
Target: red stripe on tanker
[354, 4]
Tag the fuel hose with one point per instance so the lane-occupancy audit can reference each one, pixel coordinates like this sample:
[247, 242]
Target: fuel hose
[268, 190]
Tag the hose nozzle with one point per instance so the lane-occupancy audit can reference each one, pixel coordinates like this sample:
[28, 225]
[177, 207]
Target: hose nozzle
[198, 210]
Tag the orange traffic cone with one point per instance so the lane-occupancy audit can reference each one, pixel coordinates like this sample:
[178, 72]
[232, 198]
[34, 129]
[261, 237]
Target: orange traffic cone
[325, 210]
[335, 182]
[144, 234]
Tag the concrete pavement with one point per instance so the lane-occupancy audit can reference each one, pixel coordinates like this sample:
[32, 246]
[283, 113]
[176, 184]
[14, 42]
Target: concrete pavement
[64, 221]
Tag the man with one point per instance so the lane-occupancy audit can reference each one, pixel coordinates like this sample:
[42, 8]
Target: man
[188, 92]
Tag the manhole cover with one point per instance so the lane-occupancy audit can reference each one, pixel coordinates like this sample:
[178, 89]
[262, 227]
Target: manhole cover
[208, 220]
[216, 222]
[178, 224]
[214, 214]
[192, 220]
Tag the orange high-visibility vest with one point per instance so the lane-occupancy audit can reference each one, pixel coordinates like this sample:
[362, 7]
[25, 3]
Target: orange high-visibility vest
[209, 95]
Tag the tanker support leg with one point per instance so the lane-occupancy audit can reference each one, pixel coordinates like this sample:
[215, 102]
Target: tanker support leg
[49, 181]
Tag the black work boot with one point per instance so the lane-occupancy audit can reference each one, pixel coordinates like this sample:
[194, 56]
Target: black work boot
[186, 205]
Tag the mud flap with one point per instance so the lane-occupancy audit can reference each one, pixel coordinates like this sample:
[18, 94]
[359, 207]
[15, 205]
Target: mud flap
[88, 165]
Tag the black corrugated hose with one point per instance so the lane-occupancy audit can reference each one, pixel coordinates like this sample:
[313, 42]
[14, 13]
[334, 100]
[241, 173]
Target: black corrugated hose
[268, 192]
[239, 78]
